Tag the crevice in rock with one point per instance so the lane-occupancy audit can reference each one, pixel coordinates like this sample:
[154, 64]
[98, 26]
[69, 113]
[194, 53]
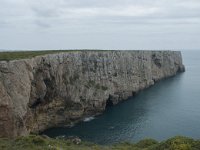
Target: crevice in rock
[156, 60]
[51, 91]
[134, 93]
[36, 103]
[181, 69]
[109, 103]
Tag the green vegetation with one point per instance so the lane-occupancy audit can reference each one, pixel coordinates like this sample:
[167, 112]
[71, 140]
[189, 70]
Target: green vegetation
[97, 86]
[104, 88]
[25, 54]
[14, 55]
[34, 142]
[91, 83]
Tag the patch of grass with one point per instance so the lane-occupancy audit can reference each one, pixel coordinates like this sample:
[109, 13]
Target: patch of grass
[104, 88]
[34, 142]
[97, 86]
[15, 55]
[146, 143]
[91, 83]
[179, 143]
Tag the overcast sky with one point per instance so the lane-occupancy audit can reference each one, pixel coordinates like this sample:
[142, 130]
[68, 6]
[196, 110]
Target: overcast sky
[99, 24]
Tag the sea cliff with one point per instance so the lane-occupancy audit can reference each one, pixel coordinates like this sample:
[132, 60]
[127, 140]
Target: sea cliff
[62, 88]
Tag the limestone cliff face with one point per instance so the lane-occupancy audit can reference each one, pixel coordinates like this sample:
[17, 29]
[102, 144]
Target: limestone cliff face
[60, 89]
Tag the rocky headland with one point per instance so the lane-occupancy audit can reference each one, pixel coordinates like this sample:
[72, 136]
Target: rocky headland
[61, 89]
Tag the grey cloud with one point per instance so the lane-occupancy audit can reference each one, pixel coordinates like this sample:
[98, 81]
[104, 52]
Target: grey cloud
[3, 24]
[117, 21]
[42, 24]
[44, 12]
[94, 10]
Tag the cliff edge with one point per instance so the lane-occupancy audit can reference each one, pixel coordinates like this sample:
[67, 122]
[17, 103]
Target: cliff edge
[61, 89]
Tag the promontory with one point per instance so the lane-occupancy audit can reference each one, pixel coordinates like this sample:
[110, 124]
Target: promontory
[59, 89]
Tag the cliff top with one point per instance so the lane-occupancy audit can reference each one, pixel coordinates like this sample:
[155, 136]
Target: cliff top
[15, 55]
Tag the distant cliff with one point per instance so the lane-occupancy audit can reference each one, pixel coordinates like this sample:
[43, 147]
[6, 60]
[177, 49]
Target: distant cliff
[61, 89]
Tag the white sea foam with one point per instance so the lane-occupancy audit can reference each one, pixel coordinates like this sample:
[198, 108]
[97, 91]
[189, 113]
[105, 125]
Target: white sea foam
[87, 119]
[60, 137]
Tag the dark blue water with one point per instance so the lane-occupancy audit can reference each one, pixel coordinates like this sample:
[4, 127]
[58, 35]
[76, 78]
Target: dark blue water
[169, 108]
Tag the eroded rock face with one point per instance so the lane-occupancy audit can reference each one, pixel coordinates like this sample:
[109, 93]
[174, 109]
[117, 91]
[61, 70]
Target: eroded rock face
[60, 89]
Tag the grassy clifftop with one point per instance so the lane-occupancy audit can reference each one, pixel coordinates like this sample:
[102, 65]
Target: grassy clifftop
[43, 143]
[14, 55]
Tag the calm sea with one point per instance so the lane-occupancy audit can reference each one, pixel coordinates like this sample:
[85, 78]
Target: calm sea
[169, 108]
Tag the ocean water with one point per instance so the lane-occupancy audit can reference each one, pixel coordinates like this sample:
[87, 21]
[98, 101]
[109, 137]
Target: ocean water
[171, 107]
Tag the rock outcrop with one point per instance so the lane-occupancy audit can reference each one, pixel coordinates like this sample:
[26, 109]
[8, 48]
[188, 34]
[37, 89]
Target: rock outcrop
[61, 89]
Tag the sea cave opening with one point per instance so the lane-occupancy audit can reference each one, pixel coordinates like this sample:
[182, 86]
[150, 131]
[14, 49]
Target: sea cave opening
[109, 103]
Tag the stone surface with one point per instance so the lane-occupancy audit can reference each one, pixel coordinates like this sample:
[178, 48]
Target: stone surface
[61, 89]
